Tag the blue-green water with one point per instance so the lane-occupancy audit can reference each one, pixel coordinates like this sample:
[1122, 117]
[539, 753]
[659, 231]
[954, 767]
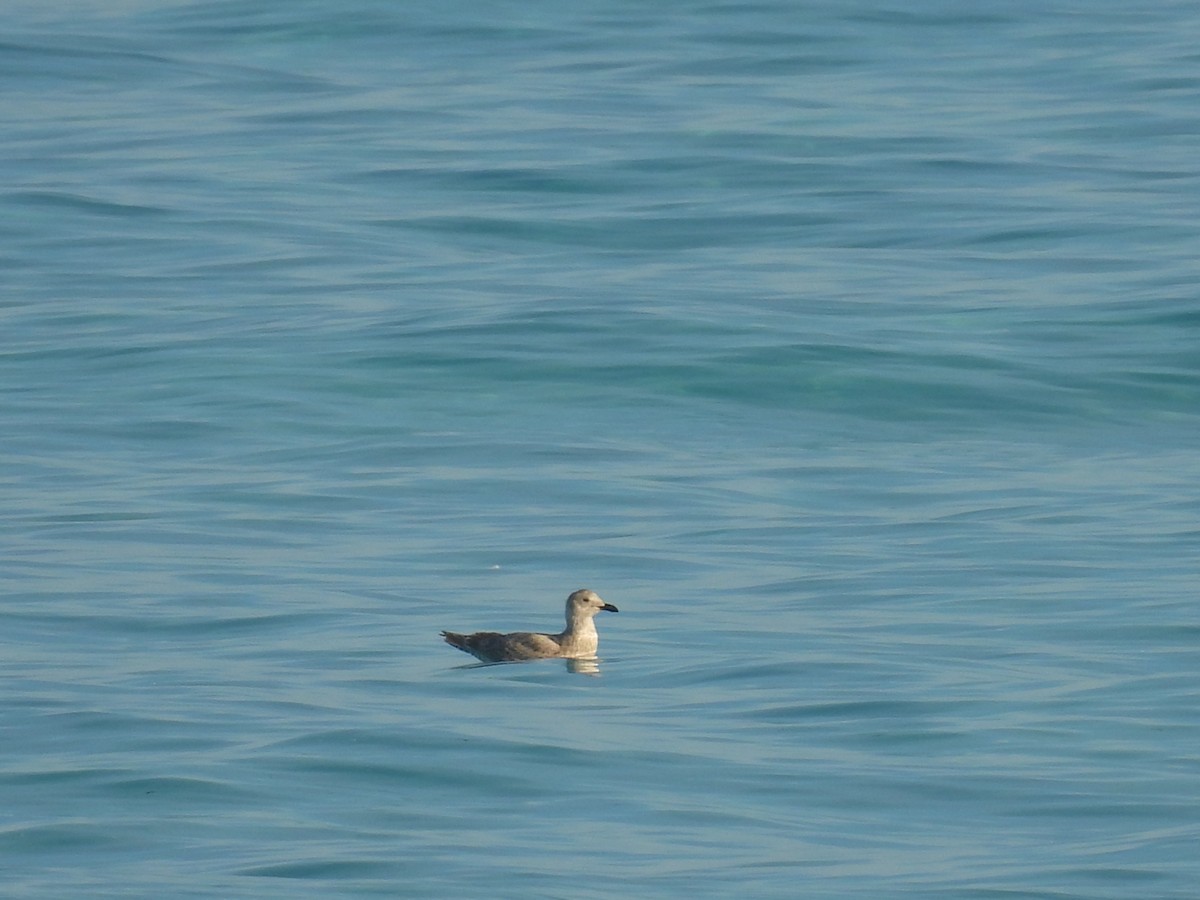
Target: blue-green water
[851, 349]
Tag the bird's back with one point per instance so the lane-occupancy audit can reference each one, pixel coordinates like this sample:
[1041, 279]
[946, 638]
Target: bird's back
[490, 646]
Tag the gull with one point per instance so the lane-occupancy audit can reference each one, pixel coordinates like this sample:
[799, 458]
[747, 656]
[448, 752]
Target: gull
[578, 641]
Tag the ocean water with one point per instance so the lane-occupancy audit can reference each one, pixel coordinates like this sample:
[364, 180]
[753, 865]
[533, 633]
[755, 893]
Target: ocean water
[851, 349]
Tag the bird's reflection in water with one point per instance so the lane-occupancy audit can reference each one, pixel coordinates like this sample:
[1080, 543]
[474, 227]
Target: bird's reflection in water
[589, 666]
[583, 666]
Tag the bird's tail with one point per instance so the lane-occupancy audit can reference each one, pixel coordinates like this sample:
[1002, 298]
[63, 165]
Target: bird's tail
[456, 640]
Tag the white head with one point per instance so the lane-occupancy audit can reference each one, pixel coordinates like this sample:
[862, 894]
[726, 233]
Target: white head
[584, 604]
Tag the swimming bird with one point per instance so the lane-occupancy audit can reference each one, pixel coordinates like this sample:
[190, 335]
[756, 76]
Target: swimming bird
[578, 641]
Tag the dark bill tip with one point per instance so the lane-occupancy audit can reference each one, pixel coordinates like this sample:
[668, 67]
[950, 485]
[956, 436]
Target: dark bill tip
[610, 607]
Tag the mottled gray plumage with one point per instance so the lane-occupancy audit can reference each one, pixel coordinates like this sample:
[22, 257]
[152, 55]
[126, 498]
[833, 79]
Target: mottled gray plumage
[578, 641]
